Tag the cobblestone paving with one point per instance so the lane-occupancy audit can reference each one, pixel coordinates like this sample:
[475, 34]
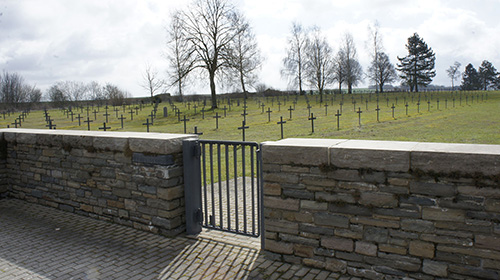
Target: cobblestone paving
[38, 242]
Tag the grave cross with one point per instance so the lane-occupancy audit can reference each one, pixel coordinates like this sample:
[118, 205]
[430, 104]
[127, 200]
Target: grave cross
[224, 110]
[106, 114]
[243, 127]
[308, 109]
[269, 114]
[95, 114]
[290, 109]
[326, 108]
[279, 106]
[262, 105]
[429, 106]
[79, 120]
[244, 114]
[185, 121]
[16, 123]
[406, 105]
[178, 113]
[51, 125]
[152, 117]
[340, 104]
[446, 103]
[88, 121]
[196, 131]
[137, 110]
[359, 115]
[116, 111]
[418, 107]
[281, 122]
[195, 107]
[312, 118]
[366, 104]
[147, 124]
[121, 119]
[217, 117]
[131, 114]
[437, 104]
[203, 113]
[378, 110]
[104, 127]
[354, 105]
[338, 119]
[72, 114]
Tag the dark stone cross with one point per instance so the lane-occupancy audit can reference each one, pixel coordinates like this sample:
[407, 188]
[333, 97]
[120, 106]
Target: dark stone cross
[79, 120]
[185, 121]
[393, 107]
[243, 127]
[359, 115]
[446, 103]
[453, 102]
[165, 112]
[378, 111]
[196, 131]
[308, 109]
[203, 113]
[326, 109]
[147, 124]
[262, 105]
[338, 119]
[217, 117]
[88, 121]
[51, 125]
[16, 123]
[294, 103]
[354, 105]
[116, 111]
[178, 113]
[121, 119]
[106, 114]
[429, 106]
[152, 117]
[281, 122]
[366, 104]
[269, 114]
[244, 115]
[437, 104]
[104, 127]
[387, 101]
[189, 106]
[72, 114]
[340, 104]
[95, 114]
[224, 110]
[406, 105]
[195, 107]
[137, 110]
[279, 106]
[312, 118]
[290, 109]
[131, 114]
[418, 107]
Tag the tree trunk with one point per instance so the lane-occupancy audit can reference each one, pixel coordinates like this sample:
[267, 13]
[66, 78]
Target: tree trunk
[381, 88]
[349, 88]
[242, 81]
[179, 83]
[213, 90]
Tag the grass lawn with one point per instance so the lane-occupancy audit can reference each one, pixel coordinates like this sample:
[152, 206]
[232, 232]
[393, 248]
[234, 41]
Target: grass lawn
[474, 119]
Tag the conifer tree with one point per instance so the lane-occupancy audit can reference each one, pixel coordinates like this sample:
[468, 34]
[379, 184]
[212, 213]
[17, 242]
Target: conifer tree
[417, 68]
[470, 78]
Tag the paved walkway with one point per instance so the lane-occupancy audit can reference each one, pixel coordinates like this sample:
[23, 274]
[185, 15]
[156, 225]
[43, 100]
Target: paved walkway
[37, 242]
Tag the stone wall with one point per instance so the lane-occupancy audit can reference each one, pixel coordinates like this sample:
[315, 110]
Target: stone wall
[134, 179]
[377, 209]
[3, 171]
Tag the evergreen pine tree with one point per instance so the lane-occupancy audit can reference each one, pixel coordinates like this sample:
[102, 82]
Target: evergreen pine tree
[470, 79]
[487, 75]
[417, 68]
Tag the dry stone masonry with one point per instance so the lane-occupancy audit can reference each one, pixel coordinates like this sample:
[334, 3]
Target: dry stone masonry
[376, 209]
[134, 179]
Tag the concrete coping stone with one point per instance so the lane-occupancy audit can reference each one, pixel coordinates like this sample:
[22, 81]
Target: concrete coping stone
[396, 156]
[155, 143]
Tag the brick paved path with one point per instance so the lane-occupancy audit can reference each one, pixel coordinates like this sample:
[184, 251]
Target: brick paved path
[38, 242]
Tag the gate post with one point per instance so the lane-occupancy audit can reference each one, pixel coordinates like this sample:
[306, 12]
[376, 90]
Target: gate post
[192, 185]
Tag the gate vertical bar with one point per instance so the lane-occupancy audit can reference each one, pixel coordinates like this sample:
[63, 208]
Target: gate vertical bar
[192, 183]
[243, 163]
[227, 188]
[236, 186]
[220, 186]
[260, 195]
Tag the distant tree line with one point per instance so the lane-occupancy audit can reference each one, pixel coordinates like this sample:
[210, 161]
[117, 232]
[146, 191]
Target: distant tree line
[484, 78]
[62, 93]
[15, 91]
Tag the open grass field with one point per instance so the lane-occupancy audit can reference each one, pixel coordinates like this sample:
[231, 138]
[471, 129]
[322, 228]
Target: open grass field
[453, 117]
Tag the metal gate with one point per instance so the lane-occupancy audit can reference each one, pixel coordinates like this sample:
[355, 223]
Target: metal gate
[223, 186]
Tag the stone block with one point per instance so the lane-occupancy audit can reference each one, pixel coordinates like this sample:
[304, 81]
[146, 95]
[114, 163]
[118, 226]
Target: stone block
[281, 178]
[332, 220]
[392, 249]
[348, 233]
[432, 189]
[298, 151]
[417, 225]
[279, 203]
[313, 205]
[398, 182]
[336, 265]
[375, 222]
[375, 155]
[487, 242]
[279, 247]
[435, 268]
[476, 272]
[365, 248]
[443, 214]
[345, 175]
[170, 193]
[272, 189]
[334, 197]
[303, 250]
[421, 249]
[281, 226]
[492, 205]
[110, 143]
[378, 199]
[341, 244]
[298, 240]
[441, 239]
[300, 194]
[375, 234]
[317, 180]
[314, 263]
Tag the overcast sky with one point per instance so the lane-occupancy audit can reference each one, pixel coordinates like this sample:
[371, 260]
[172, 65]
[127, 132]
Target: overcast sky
[112, 40]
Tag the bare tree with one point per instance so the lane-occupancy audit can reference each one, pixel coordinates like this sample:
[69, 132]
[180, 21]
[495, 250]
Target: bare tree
[114, 94]
[151, 82]
[14, 90]
[294, 62]
[95, 91]
[246, 58]
[454, 73]
[338, 69]
[319, 69]
[179, 54]
[352, 69]
[381, 70]
[209, 27]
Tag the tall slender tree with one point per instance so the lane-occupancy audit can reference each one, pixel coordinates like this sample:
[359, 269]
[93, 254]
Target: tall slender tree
[487, 75]
[338, 69]
[352, 69]
[246, 58]
[454, 73]
[381, 70]
[294, 62]
[470, 78]
[319, 69]
[417, 68]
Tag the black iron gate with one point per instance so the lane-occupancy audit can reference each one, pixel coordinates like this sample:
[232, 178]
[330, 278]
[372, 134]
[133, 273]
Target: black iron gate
[223, 186]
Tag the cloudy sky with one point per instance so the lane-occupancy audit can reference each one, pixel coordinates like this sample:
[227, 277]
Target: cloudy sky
[112, 40]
